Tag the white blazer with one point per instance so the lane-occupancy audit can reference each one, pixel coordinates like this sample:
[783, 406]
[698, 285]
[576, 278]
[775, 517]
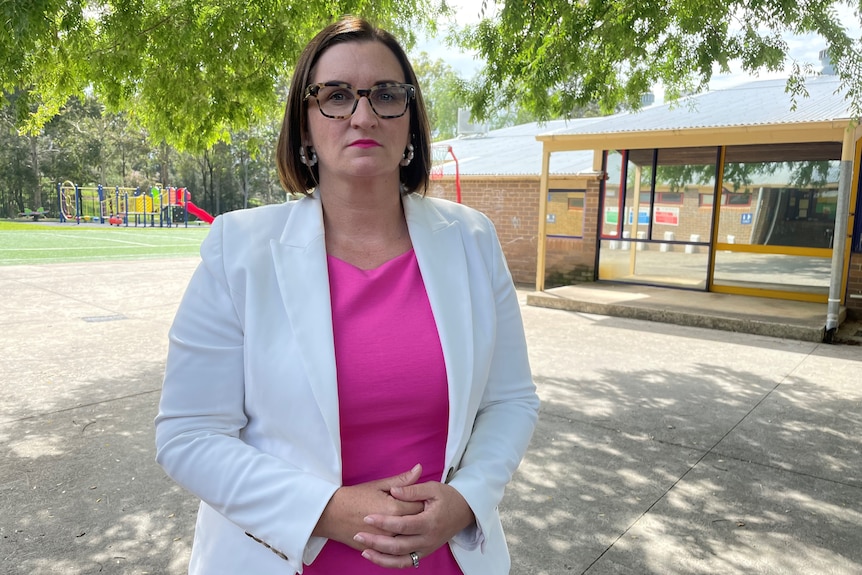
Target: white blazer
[248, 419]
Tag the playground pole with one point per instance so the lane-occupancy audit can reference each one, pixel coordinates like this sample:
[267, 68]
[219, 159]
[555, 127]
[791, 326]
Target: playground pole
[171, 203]
[126, 203]
[185, 193]
[78, 204]
[60, 203]
[101, 191]
[162, 217]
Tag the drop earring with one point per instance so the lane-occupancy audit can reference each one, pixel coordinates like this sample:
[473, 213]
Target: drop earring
[408, 156]
[307, 161]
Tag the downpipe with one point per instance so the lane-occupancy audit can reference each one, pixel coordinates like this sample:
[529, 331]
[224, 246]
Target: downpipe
[839, 243]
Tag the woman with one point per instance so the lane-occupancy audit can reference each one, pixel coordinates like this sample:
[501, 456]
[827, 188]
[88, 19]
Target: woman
[347, 387]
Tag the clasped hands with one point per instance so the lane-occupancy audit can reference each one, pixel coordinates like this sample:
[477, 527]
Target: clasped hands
[389, 518]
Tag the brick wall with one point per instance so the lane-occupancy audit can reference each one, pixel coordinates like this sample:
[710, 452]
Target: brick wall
[512, 203]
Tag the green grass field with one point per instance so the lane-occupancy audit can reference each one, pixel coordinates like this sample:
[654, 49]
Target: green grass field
[41, 243]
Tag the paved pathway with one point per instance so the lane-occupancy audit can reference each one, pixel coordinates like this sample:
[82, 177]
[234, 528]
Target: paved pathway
[661, 449]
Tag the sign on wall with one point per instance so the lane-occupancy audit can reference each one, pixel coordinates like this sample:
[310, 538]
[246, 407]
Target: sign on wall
[667, 216]
[643, 216]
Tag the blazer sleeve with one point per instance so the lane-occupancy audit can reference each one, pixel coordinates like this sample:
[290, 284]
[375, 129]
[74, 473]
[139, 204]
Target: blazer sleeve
[201, 419]
[508, 409]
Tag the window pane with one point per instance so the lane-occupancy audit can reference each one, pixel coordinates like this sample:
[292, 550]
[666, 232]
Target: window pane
[773, 271]
[611, 199]
[685, 177]
[669, 198]
[774, 196]
[638, 194]
[577, 202]
[625, 261]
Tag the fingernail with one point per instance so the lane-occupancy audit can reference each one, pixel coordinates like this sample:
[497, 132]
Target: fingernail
[396, 491]
[366, 554]
[359, 538]
[368, 520]
[415, 468]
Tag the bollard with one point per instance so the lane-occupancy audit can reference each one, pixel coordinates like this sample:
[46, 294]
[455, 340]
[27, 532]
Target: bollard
[692, 249]
[668, 236]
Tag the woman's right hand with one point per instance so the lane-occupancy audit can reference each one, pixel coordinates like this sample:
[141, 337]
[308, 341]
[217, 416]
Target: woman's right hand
[344, 515]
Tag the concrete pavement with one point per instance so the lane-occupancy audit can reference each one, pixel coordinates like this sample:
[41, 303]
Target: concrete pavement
[661, 449]
[779, 318]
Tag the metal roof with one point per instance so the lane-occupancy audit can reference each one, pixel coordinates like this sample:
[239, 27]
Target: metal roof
[762, 102]
[515, 151]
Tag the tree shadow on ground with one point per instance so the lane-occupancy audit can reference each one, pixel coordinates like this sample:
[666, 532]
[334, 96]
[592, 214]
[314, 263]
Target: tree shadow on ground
[82, 493]
[697, 471]
[675, 465]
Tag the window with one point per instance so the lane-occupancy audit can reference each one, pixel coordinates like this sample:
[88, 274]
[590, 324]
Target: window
[669, 198]
[576, 202]
[739, 200]
[780, 194]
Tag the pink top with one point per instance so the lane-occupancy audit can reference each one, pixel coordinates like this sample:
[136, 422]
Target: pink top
[392, 391]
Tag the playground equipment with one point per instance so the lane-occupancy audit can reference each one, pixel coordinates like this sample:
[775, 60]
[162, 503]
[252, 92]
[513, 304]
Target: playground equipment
[70, 199]
[184, 198]
[163, 207]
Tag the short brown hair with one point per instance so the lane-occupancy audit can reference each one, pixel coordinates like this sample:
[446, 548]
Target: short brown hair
[298, 178]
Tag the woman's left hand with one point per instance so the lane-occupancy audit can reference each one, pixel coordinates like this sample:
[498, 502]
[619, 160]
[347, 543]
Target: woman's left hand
[446, 513]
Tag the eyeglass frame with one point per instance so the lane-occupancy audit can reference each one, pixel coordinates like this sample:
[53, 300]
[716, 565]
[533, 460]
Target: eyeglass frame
[312, 90]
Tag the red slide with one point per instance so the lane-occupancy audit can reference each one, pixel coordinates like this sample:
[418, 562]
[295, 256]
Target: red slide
[199, 213]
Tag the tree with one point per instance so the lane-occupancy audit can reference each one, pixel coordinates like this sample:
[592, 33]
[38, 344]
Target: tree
[18, 178]
[555, 56]
[443, 92]
[187, 70]
[87, 145]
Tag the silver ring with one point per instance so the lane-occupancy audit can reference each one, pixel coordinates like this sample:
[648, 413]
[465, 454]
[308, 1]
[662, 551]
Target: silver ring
[415, 557]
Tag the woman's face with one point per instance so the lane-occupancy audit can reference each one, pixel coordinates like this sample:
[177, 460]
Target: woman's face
[362, 145]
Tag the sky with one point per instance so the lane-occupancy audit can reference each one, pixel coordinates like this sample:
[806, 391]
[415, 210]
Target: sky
[465, 63]
[804, 49]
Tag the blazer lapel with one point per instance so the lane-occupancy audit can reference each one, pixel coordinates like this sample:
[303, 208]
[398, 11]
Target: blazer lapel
[439, 250]
[299, 258]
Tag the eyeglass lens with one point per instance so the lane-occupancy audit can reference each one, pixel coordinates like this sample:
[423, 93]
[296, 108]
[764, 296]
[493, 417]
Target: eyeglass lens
[387, 100]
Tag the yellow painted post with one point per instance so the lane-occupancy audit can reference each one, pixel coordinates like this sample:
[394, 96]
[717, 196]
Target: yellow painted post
[543, 214]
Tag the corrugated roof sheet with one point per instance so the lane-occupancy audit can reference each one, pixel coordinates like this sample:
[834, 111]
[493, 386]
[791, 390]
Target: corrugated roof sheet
[515, 151]
[762, 102]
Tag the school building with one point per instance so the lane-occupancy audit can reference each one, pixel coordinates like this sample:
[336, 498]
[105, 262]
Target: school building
[739, 191]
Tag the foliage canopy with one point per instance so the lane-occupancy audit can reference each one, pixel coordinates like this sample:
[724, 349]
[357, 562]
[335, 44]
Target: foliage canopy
[188, 70]
[193, 71]
[555, 56]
